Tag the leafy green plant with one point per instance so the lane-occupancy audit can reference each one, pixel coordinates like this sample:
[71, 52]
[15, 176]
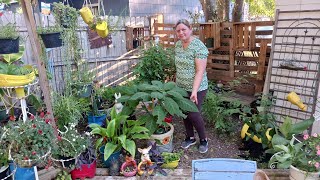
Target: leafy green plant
[302, 155]
[261, 120]
[219, 111]
[158, 100]
[156, 63]
[285, 131]
[65, 15]
[70, 143]
[12, 69]
[9, 31]
[67, 109]
[30, 140]
[49, 29]
[169, 157]
[119, 133]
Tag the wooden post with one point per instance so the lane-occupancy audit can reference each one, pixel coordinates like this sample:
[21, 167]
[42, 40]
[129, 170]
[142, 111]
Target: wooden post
[36, 48]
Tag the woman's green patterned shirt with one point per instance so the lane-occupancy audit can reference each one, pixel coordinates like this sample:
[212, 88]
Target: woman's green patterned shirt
[186, 66]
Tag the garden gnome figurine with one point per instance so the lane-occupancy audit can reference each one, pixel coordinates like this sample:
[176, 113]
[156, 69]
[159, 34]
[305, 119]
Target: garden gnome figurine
[118, 105]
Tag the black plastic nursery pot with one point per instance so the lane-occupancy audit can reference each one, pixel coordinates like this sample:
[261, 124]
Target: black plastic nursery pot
[77, 4]
[9, 46]
[5, 173]
[51, 40]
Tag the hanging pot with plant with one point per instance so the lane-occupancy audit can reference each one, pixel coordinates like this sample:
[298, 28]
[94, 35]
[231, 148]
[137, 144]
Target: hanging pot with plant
[9, 39]
[51, 36]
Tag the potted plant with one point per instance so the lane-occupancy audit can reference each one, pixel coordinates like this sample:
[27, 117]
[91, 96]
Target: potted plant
[50, 36]
[171, 160]
[86, 164]
[301, 156]
[30, 143]
[156, 63]
[119, 133]
[159, 100]
[65, 15]
[129, 168]
[4, 157]
[9, 39]
[70, 144]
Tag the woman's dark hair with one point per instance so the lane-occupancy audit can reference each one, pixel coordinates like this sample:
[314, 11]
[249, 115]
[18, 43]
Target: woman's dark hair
[183, 21]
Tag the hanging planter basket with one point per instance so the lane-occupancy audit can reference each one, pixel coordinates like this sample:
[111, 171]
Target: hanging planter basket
[77, 4]
[102, 29]
[16, 80]
[9, 46]
[86, 15]
[51, 40]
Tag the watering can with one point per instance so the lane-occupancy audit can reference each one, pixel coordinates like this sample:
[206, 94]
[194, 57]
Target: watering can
[295, 99]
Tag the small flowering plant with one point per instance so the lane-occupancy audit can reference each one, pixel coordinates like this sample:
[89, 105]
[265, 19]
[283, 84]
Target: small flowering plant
[70, 143]
[30, 141]
[304, 155]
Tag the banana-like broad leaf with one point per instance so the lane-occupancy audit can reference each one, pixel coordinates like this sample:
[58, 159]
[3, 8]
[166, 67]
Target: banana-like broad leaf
[140, 136]
[286, 127]
[187, 105]
[140, 95]
[175, 94]
[98, 142]
[279, 140]
[160, 113]
[138, 129]
[169, 86]
[94, 125]
[181, 91]
[157, 95]
[96, 131]
[10, 58]
[299, 127]
[109, 149]
[111, 128]
[170, 105]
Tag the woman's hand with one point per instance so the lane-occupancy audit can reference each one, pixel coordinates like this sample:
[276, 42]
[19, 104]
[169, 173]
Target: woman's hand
[194, 97]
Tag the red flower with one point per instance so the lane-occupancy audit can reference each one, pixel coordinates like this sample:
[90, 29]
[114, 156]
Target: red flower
[34, 153]
[48, 113]
[168, 119]
[12, 118]
[26, 158]
[59, 138]
[47, 121]
[42, 114]
[32, 117]
[40, 131]
[34, 126]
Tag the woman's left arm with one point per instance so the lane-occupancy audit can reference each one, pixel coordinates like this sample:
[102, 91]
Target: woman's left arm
[201, 65]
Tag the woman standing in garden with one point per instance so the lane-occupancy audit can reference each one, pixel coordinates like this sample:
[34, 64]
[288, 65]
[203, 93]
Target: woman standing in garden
[191, 60]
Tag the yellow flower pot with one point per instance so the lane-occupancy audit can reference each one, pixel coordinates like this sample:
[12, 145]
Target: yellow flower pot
[171, 165]
[102, 29]
[244, 132]
[16, 80]
[141, 171]
[86, 15]
[295, 99]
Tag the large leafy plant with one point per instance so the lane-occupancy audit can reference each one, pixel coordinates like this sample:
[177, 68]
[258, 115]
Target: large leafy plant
[9, 31]
[156, 63]
[119, 133]
[159, 100]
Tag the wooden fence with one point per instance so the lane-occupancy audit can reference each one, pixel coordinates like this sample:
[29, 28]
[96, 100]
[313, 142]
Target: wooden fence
[237, 50]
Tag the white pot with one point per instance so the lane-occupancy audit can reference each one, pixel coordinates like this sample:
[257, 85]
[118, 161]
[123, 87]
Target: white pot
[164, 141]
[297, 174]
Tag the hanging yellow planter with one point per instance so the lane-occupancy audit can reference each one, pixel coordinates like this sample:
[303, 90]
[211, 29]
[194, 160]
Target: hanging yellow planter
[170, 165]
[86, 15]
[17, 80]
[102, 29]
[20, 92]
[244, 132]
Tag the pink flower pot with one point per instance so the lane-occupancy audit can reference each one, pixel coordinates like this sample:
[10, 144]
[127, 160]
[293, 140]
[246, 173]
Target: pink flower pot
[86, 171]
[127, 164]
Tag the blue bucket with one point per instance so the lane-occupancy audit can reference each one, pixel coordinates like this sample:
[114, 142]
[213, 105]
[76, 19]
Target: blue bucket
[23, 173]
[113, 156]
[96, 119]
